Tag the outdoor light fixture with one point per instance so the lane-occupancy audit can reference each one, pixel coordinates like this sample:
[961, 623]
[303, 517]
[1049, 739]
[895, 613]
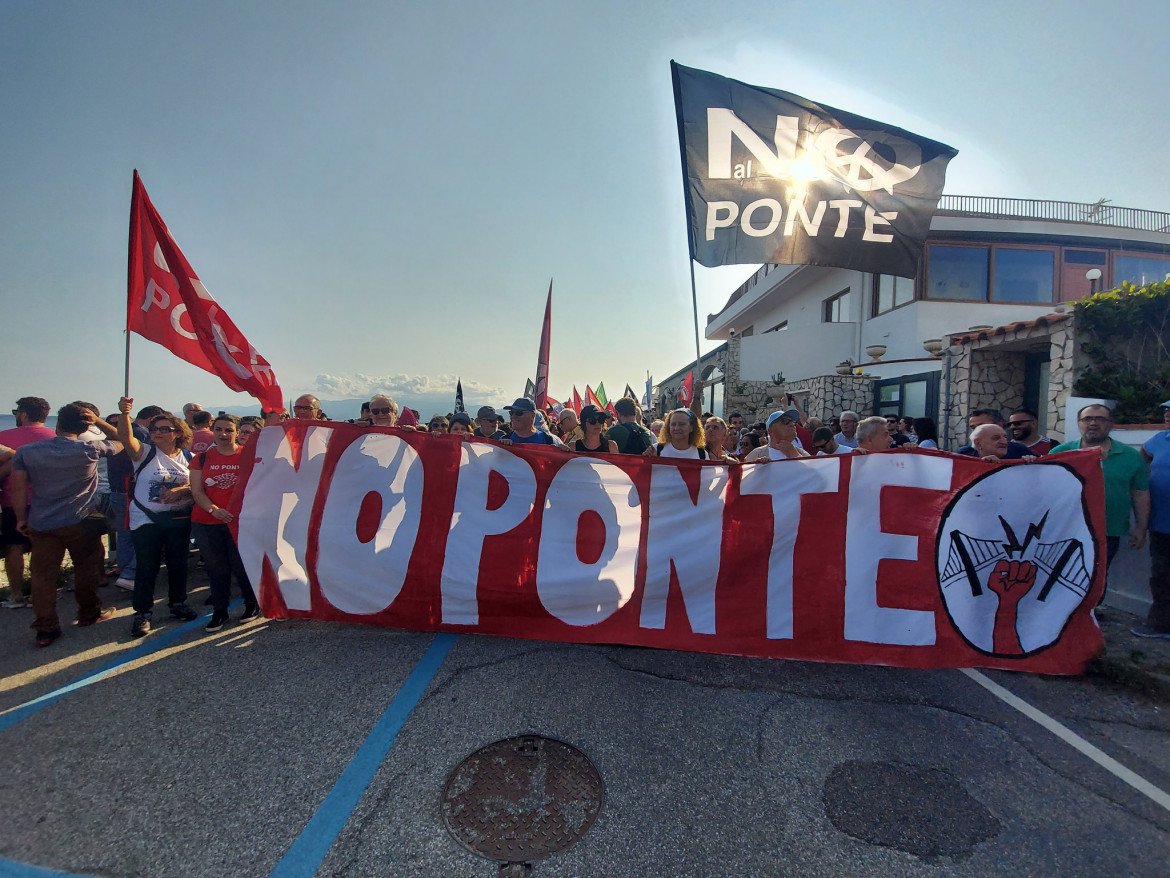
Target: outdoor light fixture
[1093, 276]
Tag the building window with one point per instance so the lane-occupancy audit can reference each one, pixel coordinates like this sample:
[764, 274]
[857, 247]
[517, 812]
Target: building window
[958, 273]
[1074, 265]
[1140, 270]
[1023, 275]
[889, 292]
[837, 308]
[783, 324]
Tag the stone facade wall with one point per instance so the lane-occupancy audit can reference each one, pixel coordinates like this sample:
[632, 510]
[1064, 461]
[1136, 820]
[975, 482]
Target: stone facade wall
[983, 374]
[823, 396]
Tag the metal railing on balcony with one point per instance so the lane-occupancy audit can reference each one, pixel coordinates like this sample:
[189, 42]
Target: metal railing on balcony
[1099, 213]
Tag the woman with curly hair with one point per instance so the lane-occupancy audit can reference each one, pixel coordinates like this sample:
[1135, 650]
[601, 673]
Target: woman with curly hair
[682, 436]
[160, 513]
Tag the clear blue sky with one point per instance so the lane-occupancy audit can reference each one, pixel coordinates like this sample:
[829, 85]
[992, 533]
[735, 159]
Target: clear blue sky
[378, 193]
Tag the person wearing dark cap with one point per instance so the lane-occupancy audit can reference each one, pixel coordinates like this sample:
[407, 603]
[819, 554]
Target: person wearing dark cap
[488, 424]
[593, 441]
[460, 425]
[630, 436]
[524, 432]
[1156, 451]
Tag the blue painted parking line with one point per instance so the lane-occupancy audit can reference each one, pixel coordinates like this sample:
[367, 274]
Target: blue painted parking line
[9, 869]
[308, 851]
[155, 642]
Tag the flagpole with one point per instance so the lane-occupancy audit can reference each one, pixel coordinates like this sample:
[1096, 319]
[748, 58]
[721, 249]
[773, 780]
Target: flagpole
[129, 279]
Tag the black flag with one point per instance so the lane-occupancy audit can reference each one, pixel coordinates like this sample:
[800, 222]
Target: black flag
[459, 397]
[770, 177]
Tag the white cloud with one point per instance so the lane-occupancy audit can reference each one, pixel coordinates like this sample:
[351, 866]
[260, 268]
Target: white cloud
[358, 385]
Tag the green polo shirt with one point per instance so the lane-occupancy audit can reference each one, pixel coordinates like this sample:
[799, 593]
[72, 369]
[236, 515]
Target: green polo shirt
[1125, 471]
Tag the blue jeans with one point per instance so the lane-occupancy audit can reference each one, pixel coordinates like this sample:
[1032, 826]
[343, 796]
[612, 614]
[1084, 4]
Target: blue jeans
[221, 560]
[125, 553]
[151, 544]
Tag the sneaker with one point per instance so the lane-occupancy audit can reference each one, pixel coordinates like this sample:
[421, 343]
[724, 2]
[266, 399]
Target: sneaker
[48, 638]
[183, 612]
[125, 584]
[218, 620]
[141, 625]
[250, 613]
[21, 603]
[106, 613]
[1147, 631]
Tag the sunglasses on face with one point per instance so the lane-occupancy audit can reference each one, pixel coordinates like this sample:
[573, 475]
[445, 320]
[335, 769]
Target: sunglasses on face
[162, 429]
[593, 420]
[385, 411]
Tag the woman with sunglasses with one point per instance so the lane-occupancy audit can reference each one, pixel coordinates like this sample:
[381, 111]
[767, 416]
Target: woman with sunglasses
[160, 513]
[717, 435]
[249, 424]
[593, 440]
[682, 436]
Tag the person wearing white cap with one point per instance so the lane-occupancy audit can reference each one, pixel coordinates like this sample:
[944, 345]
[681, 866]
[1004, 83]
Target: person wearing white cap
[1156, 451]
[783, 442]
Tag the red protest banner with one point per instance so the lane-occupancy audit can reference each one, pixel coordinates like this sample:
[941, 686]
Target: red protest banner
[915, 559]
[167, 303]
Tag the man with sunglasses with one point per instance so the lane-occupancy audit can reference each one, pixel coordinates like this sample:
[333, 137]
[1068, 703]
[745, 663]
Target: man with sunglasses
[524, 432]
[783, 443]
[487, 424]
[1127, 483]
[570, 427]
[1023, 424]
[307, 407]
[383, 411]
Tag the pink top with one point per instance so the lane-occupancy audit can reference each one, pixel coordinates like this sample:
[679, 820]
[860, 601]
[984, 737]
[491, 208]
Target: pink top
[17, 437]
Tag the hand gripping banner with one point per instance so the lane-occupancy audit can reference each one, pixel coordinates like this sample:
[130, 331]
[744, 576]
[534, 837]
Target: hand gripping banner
[168, 304]
[772, 177]
[916, 559]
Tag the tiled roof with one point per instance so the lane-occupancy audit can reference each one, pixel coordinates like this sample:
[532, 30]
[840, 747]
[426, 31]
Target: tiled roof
[985, 334]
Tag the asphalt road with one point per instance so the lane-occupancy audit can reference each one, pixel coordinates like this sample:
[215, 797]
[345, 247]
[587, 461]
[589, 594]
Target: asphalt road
[221, 755]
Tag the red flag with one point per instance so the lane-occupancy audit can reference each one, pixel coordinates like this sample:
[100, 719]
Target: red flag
[542, 357]
[576, 401]
[167, 304]
[686, 393]
[591, 397]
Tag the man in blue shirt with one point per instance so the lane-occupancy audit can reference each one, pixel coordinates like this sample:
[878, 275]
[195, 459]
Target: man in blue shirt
[524, 432]
[1156, 451]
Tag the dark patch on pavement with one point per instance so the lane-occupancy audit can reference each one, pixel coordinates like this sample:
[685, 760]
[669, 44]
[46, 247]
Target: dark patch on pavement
[921, 811]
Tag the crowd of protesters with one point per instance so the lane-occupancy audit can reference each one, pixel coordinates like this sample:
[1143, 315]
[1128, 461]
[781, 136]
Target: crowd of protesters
[157, 483]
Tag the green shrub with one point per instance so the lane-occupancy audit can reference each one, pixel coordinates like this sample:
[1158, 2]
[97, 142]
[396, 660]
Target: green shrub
[1125, 333]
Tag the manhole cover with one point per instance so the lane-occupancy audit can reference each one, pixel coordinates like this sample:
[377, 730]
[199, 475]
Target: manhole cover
[521, 799]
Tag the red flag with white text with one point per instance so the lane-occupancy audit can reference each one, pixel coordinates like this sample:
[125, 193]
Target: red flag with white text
[686, 393]
[167, 304]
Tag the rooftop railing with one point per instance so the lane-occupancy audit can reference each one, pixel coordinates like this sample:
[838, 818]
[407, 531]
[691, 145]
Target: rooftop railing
[1099, 213]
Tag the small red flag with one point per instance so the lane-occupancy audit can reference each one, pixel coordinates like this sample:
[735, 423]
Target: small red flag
[591, 397]
[167, 304]
[686, 393]
[576, 401]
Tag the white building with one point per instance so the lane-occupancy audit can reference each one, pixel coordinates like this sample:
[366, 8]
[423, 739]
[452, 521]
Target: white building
[988, 262]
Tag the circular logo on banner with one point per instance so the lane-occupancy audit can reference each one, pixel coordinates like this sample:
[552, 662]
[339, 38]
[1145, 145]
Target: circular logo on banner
[1016, 557]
